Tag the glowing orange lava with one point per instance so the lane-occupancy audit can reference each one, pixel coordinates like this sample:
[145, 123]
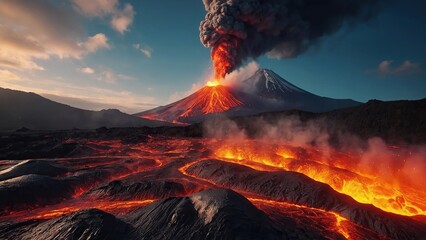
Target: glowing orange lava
[213, 83]
[220, 61]
[175, 156]
[213, 98]
[216, 99]
[331, 220]
[223, 57]
[335, 222]
[395, 197]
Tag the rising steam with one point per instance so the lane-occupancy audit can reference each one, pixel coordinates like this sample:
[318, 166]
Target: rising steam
[237, 30]
[389, 177]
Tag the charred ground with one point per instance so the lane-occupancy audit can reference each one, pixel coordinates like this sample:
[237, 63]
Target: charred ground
[170, 182]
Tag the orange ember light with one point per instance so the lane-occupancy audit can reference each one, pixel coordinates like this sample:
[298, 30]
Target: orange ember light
[395, 197]
[213, 83]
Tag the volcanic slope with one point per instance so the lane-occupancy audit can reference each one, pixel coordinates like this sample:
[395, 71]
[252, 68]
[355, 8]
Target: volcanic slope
[207, 100]
[263, 92]
[278, 94]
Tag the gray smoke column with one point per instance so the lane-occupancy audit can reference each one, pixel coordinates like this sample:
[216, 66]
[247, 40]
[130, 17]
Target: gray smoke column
[240, 29]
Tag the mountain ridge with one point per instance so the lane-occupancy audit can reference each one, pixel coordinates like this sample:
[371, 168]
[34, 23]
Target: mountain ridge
[22, 109]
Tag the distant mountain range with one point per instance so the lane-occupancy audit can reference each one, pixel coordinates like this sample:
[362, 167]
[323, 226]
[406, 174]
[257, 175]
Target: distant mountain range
[265, 91]
[28, 110]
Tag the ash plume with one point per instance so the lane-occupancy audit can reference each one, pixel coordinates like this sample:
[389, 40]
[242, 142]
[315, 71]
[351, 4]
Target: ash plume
[237, 30]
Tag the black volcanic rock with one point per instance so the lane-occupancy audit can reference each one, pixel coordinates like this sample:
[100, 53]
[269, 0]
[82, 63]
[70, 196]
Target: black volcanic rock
[399, 122]
[297, 188]
[27, 191]
[36, 183]
[20, 109]
[395, 121]
[118, 190]
[86, 224]
[211, 214]
[38, 167]
[39, 145]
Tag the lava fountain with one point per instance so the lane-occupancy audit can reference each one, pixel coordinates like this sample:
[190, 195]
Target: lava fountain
[223, 58]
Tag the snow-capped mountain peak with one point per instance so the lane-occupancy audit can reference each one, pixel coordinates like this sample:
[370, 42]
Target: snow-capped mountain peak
[273, 82]
[267, 84]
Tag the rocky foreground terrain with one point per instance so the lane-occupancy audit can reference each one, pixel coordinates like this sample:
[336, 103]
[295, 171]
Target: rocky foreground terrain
[145, 184]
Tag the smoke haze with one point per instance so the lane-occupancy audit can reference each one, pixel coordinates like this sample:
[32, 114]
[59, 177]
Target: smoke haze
[373, 157]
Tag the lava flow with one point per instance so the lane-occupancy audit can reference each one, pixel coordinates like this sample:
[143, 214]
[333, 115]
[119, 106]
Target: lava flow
[213, 98]
[122, 177]
[343, 175]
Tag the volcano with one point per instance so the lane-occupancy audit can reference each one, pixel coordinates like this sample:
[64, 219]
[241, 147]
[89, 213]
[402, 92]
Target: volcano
[265, 91]
[207, 101]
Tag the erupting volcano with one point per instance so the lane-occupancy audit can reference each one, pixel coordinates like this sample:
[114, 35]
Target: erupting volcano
[208, 100]
[250, 155]
[264, 91]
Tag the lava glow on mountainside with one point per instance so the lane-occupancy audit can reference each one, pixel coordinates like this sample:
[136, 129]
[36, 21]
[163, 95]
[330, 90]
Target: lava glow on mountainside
[213, 98]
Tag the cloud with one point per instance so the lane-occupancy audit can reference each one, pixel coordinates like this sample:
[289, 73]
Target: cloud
[109, 76]
[236, 77]
[385, 68]
[408, 68]
[147, 51]
[8, 75]
[87, 95]
[120, 18]
[181, 94]
[232, 79]
[96, 8]
[40, 29]
[96, 42]
[90, 104]
[87, 70]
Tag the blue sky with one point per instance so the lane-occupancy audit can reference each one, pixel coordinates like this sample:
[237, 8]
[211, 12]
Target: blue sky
[134, 55]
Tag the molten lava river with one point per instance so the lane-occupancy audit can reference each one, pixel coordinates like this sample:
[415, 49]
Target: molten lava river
[326, 192]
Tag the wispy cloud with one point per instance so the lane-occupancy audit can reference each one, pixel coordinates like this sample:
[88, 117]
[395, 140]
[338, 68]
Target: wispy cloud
[120, 18]
[181, 94]
[86, 70]
[147, 51]
[7, 75]
[90, 104]
[86, 95]
[96, 42]
[386, 68]
[97, 8]
[408, 68]
[40, 29]
[109, 76]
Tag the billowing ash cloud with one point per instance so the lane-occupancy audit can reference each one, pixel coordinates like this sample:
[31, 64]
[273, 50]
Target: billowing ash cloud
[241, 29]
